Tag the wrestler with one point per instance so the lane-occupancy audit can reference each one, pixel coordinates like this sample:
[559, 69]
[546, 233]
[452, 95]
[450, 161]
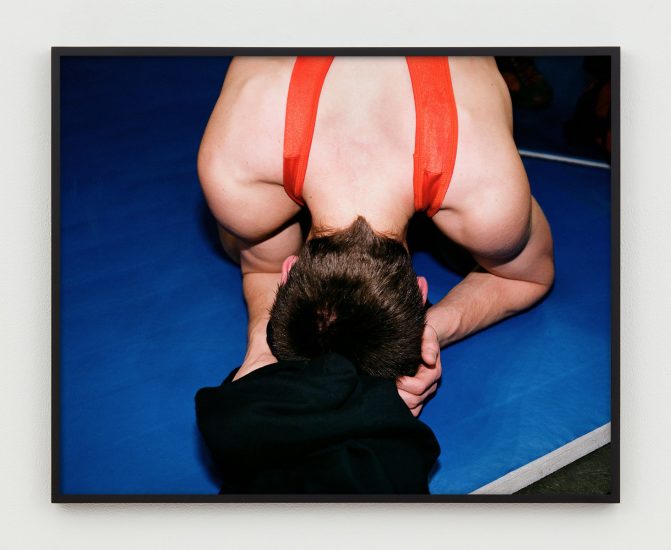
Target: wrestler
[386, 137]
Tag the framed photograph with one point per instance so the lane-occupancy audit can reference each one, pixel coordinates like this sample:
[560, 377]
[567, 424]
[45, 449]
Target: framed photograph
[335, 274]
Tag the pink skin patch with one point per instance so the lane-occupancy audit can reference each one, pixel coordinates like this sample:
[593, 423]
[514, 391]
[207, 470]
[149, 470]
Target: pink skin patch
[423, 287]
[287, 264]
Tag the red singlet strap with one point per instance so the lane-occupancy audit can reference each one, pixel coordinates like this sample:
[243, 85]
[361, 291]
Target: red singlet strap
[435, 131]
[305, 87]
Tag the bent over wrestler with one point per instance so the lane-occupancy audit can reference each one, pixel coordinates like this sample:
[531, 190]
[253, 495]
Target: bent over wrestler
[363, 144]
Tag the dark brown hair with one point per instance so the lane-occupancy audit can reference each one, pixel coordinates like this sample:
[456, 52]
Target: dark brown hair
[352, 292]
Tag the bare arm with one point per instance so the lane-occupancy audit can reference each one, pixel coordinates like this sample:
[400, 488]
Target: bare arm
[261, 272]
[257, 226]
[490, 211]
[247, 233]
[516, 270]
[239, 167]
[499, 288]
[259, 283]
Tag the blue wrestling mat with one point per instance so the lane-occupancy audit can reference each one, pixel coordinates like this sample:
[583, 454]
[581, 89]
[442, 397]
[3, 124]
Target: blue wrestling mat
[151, 310]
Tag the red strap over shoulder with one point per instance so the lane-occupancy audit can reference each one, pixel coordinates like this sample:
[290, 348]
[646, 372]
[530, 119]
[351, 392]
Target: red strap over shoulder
[436, 130]
[435, 135]
[307, 79]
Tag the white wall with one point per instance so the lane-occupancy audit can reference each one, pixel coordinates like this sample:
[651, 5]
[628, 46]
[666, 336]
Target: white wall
[28, 29]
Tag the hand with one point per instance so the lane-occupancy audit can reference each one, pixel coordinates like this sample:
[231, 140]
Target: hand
[415, 390]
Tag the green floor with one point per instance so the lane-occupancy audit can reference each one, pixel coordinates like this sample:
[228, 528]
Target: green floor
[589, 475]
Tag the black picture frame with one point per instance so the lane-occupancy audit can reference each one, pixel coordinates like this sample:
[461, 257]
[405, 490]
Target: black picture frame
[58, 53]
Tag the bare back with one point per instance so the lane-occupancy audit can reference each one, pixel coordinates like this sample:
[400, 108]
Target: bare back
[361, 156]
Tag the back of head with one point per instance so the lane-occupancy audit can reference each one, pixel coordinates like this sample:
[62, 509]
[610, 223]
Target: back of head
[355, 293]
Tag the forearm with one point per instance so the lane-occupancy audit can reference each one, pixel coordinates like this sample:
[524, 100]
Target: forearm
[497, 289]
[261, 265]
[259, 291]
[480, 300]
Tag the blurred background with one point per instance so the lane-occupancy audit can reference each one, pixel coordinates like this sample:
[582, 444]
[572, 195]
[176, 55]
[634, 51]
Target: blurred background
[561, 104]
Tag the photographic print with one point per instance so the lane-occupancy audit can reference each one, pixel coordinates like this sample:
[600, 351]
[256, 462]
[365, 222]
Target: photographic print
[346, 274]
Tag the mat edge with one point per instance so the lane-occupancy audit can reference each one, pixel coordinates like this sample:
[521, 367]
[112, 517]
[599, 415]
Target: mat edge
[547, 464]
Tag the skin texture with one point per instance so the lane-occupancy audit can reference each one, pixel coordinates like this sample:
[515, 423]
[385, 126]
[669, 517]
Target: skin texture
[361, 164]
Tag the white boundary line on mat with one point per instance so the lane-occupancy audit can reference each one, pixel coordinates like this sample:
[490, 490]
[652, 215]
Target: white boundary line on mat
[562, 158]
[545, 465]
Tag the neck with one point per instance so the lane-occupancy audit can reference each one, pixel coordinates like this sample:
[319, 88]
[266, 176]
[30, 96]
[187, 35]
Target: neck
[392, 225]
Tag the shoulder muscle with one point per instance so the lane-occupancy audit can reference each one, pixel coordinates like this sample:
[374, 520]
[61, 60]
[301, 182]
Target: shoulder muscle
[239, 159]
